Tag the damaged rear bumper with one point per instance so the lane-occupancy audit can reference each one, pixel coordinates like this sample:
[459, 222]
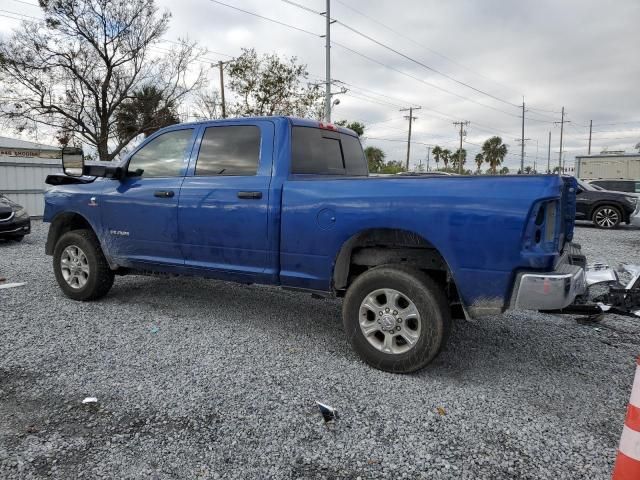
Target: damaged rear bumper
[553, 290]
[566, 288]
[549, 290]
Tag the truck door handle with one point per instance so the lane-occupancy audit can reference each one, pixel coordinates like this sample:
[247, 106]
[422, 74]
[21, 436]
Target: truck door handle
[164, 193]
[250, 195]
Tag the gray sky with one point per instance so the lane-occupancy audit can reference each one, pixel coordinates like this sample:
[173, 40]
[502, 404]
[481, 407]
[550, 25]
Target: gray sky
[580, 54]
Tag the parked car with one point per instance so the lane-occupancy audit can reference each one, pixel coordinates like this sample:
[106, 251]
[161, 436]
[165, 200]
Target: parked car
[604, 208]
[618, 185]
[14, 220]
[289, 202]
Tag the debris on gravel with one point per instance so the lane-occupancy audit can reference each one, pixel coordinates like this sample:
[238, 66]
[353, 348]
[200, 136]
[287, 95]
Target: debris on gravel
[204, 379]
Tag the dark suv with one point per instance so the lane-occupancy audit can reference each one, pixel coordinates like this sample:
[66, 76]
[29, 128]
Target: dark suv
[14, 220]
[604, 208]
[630, 186]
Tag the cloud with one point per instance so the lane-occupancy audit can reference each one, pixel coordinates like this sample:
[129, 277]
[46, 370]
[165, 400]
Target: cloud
[581, 54]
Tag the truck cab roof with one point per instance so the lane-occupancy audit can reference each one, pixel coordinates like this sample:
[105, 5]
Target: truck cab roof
[294, 121]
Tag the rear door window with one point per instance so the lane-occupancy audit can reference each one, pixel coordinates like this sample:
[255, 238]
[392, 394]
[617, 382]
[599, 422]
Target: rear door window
[230, 150]
[624, 186]
[324, 152]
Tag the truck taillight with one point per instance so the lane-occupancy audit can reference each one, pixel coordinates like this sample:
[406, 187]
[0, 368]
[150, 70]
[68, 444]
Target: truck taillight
[542, 230]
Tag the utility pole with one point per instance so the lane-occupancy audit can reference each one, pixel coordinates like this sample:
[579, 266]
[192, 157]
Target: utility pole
[224, 108]
[590, 129]
[462, 134]
[561, 122]
[535, 161]
[522, 140]
[428, 152]
[411, 118]
[549, 155]
[327, 98]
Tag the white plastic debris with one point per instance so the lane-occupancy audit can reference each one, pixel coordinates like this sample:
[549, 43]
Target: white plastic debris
[89, 400]
[12, 285]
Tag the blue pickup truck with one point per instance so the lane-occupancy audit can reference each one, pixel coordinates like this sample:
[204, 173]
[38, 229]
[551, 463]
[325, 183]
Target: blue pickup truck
[289, 202]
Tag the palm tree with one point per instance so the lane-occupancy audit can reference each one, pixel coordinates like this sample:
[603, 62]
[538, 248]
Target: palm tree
[528, 170]
[504, 171]
[375, 158]
[446, 156]
[437, 152]
[479, 161]
[460, 156]
[494, 152]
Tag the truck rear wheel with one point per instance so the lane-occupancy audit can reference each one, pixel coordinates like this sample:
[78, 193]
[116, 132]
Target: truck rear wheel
[396, 318]
[80, 267]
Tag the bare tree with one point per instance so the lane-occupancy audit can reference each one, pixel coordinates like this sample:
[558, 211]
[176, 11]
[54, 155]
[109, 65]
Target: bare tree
[85, 61]
[207, 104]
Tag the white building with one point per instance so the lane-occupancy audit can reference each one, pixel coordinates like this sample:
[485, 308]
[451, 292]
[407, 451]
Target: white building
[609, 165]
[24, 166]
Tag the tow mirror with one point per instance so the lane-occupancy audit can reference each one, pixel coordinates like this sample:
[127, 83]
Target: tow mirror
[72, 161]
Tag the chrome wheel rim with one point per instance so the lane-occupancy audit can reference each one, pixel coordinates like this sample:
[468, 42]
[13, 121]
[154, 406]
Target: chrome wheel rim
[607, 217]
[74, 267]
[390, 321]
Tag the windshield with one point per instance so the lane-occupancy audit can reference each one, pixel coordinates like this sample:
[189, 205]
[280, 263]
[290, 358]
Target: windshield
[586, 186]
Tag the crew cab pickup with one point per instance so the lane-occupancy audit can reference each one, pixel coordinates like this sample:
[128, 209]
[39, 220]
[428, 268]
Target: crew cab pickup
[289, 202]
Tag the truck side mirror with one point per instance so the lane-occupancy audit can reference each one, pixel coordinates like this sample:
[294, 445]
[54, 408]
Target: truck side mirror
[72, 161]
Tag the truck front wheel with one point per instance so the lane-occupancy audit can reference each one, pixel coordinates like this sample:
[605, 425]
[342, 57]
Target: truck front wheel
[396, 318]
[80, 267]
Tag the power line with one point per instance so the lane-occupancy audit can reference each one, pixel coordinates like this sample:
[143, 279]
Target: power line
[371, 59]
[487, 128]
[361, 96]
[198, 58]
[21, 14]
[27, 3]
[618, 123]
[266, 18]
[407, 57]
[462, 97]
[13, 18]
[399, 140]
[441, 55]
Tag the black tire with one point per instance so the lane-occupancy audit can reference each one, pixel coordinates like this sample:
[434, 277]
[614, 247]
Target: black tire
[100, 278]
[19, 238]
[430, 302]
[607, 217]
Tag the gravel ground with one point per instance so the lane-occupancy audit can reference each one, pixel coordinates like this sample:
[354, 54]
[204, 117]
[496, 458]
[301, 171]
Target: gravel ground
[203, 379]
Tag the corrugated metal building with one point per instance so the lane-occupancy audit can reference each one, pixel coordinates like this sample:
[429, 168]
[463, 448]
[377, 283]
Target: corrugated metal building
[23, 169]
[609, 165]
